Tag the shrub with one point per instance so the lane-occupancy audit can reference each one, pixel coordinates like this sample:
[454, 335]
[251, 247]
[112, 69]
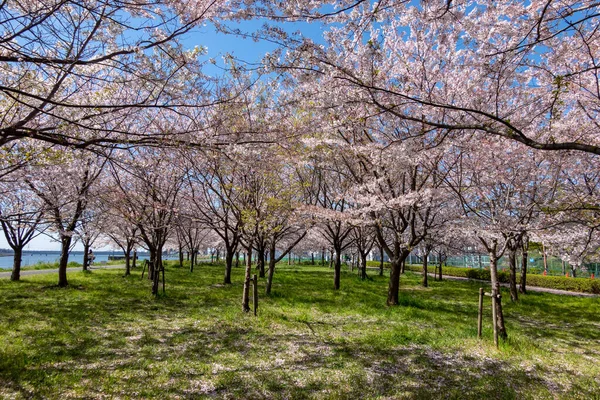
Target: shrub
[582, 285]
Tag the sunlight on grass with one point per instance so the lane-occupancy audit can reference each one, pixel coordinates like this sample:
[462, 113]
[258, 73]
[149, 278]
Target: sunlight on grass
[105, 336]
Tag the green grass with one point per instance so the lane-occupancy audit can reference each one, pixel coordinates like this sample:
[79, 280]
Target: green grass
[106, 337]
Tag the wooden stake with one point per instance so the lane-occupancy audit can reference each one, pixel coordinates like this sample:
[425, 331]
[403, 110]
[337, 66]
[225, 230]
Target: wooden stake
[480, 315]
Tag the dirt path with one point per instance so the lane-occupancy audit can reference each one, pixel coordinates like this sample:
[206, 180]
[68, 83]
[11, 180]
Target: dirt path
[55, 270]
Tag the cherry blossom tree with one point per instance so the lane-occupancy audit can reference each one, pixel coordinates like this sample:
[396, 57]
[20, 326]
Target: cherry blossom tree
[64, 183]
[21, 217]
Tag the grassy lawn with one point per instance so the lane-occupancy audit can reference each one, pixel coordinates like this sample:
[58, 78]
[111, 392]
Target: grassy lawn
[106, 337]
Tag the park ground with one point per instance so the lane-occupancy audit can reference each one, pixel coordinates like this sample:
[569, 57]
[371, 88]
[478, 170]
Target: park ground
[105, 336]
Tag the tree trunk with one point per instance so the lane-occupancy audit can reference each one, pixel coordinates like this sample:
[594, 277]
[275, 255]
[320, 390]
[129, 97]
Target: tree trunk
[128, 263]
[496, 296]
[151, 263]
[394, 284]
[512, 263]
[381, 254]
[363, 266]
[237, 259]
[271, 270]
[322, 257]
[260, 262]
[218, 255]
[17, 259]
[180, 256]
[65, 245]
[337, 269]
[246, 292]
[86, 259]
[425, 274]
[403, 266]
[523, 283]
[134, 258]
[312, 256]
[574, 271]
[330, 258]
[156, 271]
[229, 264]
[440, 263]
[192, 259]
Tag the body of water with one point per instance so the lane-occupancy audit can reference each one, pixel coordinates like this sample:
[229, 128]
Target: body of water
[40, 257]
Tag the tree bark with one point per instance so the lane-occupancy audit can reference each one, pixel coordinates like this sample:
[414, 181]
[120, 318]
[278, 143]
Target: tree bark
[65, 245]
[271, 271]
[127, 263]
[192, 259]
[180, 256]
[512, 263]
[496, 296]
[156, 271]
[337, 269]
[523, 283]
[363, 266]
[394, 284]
[260, 261]
[86, 259]
[17, 259]
[425, 274]
[381, 253]
[246, 292]
[229, 253]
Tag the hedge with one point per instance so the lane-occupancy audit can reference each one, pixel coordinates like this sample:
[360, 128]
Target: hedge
[582, 285]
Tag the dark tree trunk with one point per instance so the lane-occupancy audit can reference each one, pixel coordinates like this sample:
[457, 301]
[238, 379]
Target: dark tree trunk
[260, 261]
[156, 271]
[523, 283]
[17, 259]
[425, 274]
[134, 258]
[192, 259]
[151, 263]
[65, 245]
[496, 292]
[127, 263]
[180, 256]
[237, 259]
[229, 264]
[86, 259]
[246, 292]
[330, 258]
[574, 271]
[402, 266]
[440, 263]
[218, 255]
[271, 271]
[312, 256]
[512, 264]
[394, 284]
[337, 269]
[322, 257]
[381, 254]
[363, 266]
